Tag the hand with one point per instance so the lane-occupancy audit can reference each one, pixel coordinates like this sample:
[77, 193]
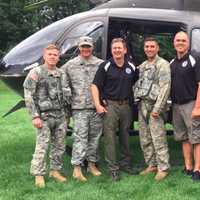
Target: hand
[195, 113]
[37, 122]
[155, 114]
[100, 109]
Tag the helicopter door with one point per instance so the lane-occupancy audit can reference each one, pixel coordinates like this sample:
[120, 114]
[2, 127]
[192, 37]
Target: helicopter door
[195, 40]
[94, 29]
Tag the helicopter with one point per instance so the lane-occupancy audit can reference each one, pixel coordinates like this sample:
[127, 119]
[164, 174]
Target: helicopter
[132, 20]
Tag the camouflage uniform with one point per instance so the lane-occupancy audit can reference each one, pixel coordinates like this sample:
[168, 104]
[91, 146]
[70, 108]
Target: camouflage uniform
[152, 91]
[43, 92]
[87, 123]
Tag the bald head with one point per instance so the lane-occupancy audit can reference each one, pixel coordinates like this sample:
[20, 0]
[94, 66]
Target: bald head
[181, 43]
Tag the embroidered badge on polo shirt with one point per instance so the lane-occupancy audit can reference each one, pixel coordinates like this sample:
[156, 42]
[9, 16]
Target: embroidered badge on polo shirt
[185, 63]
[128, 70]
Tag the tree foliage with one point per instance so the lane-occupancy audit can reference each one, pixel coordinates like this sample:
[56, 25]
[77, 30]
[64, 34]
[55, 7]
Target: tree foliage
[13, 26]
[46, 12]
[17, 22]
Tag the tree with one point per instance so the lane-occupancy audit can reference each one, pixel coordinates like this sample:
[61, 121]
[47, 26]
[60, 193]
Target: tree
[13, 26]
[47, 11]
[21, 18]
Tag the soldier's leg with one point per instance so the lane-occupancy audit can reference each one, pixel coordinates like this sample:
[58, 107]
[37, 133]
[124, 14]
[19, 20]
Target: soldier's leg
[38, 163]
[110, 124]
[160, 142]
[95, 132]
[81, 127]
[145, 136]
[58, 144]
[125, 123]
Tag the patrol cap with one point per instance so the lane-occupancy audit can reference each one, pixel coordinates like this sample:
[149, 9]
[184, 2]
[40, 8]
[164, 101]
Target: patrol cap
[85, 40]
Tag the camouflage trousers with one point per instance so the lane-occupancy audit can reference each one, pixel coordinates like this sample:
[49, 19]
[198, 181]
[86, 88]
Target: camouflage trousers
[118, 118]
[87, 132]
[52, 133]
[153, 137]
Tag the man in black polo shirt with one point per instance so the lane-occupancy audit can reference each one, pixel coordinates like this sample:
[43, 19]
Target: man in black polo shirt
[111, 91]
[185, 94]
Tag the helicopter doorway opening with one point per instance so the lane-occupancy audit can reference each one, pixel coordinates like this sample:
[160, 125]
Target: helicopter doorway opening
[134, 31]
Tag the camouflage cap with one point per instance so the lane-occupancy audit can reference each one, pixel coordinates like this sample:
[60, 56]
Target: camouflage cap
[85, 40]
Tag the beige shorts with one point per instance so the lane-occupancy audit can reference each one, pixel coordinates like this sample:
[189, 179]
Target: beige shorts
[185, 128]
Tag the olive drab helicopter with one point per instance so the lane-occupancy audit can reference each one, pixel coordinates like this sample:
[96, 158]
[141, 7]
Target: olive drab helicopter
[130, 19]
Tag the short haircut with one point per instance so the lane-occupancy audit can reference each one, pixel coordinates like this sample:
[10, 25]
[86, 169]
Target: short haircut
[152, 39]
[115, 40]
[182, 32]
[51, 46]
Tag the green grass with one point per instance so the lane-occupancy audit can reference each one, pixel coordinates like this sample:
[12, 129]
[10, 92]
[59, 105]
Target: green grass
[17, 138]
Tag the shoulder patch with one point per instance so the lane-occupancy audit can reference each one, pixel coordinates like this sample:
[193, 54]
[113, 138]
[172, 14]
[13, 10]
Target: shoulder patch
[132, 66]
[106, 67]
[33, 75]
[192, 60]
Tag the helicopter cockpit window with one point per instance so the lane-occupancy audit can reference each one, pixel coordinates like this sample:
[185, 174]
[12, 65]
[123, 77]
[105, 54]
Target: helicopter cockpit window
[195, 43]
[94, 29]
[30, 50]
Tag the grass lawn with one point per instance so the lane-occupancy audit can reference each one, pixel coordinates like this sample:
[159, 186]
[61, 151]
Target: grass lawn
[17, 138]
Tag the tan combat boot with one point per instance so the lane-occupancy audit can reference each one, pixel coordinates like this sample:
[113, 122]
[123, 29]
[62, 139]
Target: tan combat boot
[161, 175]
[77, 174]
[57, 176]
[39, 181]
[148, 170]
[93, 169]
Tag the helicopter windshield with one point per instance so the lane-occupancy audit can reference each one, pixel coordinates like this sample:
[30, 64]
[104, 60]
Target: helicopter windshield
[30, 50]
[94, 29]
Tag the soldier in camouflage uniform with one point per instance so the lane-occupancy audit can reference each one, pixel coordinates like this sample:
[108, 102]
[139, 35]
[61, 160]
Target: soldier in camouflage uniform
[80, 72]
[152, 91]
[44, 94]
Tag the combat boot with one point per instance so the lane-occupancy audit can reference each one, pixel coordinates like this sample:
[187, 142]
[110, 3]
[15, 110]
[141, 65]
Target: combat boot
[148, 170]
[161, 175]
[57, 176]
[93, 169]
[77, 174]
[39, 181]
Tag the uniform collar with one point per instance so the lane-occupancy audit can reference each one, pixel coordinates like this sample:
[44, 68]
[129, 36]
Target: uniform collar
[114, 64]
[185, 57]
[54, 73]
[155, 60]
[86, 62]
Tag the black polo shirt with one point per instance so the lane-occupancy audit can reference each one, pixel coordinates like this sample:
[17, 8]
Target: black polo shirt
[185, 73]
[115, 83]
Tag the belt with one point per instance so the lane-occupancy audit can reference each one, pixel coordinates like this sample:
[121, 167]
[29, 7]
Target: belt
[119, 102]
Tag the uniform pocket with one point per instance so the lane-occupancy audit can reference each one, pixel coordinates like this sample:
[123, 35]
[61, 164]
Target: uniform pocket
[155, 90]
[45, 105]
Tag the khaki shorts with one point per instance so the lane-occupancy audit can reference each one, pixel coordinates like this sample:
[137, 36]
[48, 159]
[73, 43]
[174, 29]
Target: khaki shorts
[185, 128]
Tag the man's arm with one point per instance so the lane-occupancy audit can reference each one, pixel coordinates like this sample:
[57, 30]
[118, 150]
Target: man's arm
[67, 94]
[30, 85]
[96, 99]
[164, 84]
[196, 109]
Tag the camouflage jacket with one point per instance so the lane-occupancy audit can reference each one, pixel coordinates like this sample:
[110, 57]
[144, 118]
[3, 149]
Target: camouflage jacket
[44, 92]
[154, 83]
[80, 74]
